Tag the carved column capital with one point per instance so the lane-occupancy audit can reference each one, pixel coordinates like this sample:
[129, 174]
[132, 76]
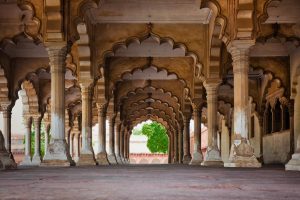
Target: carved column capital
[212, 87]
[239, 50]
[5, 107]
[102, 109]
[57, 55]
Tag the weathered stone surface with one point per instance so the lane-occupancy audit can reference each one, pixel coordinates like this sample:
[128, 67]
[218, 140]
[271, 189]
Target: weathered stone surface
[197, 158]
[112, 159]
[5, 161]
[186, 159]
[176, 182]
[86, 159]
[213, 157]
[242, 155]
[101, 158]
[57, 154]
[294, 163]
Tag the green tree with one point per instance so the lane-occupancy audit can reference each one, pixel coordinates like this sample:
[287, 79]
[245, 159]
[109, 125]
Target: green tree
[42, 141]
[157, 137]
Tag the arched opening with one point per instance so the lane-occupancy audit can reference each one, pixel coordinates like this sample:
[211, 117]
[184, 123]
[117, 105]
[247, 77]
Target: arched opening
[149, 143]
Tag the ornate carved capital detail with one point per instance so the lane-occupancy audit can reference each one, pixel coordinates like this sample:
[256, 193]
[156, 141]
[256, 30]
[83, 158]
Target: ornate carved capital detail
[102, 107]
[86, 90]
[239, 50]
[187, 118]
[57, 55]
[5, 108]
[212, 87]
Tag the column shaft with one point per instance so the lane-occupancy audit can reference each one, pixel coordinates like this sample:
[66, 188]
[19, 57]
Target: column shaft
[102, 155]
[27, 155]
[175, 159]
[36, 160]
[242, 153]
[197, 157]
[186, 145]
[213, 155]
[111, 148]
[294, 163]
[6, 129]
[117, 142]
[86, 153]
[57, 151]
[180, 145]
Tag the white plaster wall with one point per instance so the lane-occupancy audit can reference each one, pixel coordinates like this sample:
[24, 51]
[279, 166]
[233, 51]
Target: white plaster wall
[276, 147]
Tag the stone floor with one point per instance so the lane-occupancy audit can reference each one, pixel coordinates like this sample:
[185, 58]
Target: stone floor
[159, 182]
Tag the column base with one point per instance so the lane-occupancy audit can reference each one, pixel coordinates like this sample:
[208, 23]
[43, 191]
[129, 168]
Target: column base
[57, 154]
[112, 159]
[196, 159]
[186, 159]
[76, 159]
[123, 160]
[294, 163]
[36, 160]
[101, 158]
[26, 161]
[242, 155]
[86, 160]
[213, 157]
[119, 161]
[6, 162]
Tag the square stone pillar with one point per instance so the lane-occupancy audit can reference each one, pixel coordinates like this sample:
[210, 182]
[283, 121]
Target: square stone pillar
[241, 153]
[57, 152]
[213, 155]
[197, 157]
[294, 163]
[86, 154]
[102, 155]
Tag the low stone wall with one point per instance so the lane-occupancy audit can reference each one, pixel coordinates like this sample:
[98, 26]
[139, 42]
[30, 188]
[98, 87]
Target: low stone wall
[276, 147]
[145, 158]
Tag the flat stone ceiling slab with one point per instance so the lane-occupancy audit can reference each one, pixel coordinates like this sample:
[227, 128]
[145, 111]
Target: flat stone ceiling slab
[145, 11]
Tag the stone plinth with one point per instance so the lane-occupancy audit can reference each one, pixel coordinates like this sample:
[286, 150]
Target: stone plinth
[186, 159]
[86, 159]
[6, 162]
[112, 159]
[101, 158]
[294, 163]
[242, 155]
[213, 157]
[57, 154]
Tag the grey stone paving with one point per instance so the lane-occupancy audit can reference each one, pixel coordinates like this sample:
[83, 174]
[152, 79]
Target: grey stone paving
[159, 182]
